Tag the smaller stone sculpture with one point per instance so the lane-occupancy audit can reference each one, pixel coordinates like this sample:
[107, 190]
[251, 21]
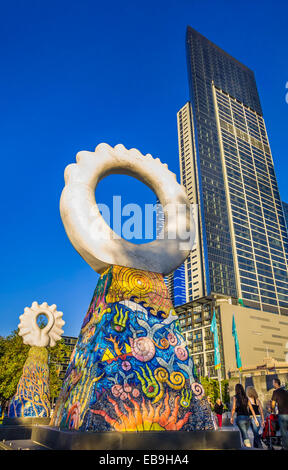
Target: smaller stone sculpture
[32, 395]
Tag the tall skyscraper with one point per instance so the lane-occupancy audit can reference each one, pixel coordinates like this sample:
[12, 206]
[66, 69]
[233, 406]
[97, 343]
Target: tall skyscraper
[227, 168]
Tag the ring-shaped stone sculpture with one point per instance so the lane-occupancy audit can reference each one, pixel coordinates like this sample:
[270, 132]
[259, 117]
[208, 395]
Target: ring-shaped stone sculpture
[92, 237]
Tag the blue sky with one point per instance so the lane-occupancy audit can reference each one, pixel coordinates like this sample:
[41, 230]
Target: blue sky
[77, 73]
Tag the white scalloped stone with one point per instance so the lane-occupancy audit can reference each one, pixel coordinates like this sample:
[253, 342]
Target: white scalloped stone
[84, 224]
[41, 337]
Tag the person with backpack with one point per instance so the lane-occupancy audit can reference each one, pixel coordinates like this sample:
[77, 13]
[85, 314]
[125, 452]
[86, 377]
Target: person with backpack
[241, 406]
[280, 397]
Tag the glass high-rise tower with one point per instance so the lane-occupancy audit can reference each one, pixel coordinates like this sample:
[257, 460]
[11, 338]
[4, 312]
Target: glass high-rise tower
[227, 168]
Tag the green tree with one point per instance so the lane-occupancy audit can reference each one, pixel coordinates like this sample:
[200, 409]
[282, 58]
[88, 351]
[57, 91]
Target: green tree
[57, 356]
[212, 389]
[13, 354]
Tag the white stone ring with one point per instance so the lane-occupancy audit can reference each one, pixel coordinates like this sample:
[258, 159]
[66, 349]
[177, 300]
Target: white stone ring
[92, 237]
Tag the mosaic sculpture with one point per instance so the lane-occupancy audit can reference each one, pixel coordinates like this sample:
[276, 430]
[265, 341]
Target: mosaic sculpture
[32, 395]
[130, 369]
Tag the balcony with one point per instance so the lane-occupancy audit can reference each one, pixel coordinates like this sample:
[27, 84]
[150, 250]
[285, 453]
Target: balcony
[197, 350]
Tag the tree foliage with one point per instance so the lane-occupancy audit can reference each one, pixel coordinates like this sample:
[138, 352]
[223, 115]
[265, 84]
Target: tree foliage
[212, 389]
[13, 354]
[57, 355]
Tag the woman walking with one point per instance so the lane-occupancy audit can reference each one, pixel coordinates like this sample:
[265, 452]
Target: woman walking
[258, 410]
[218, 410]
[241, 406]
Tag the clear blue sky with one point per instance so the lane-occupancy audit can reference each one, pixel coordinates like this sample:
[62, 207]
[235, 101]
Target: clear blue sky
[77, 73]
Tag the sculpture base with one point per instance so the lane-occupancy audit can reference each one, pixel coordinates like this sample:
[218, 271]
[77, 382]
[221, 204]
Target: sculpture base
[32, 396]
[131, 369]
[15, 432]
[164, 440]
[25, 421]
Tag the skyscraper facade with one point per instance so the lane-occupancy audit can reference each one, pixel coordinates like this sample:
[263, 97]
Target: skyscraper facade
[227, 168]
[193, 266]
[179, 286]
[285, 212]
[175, 283]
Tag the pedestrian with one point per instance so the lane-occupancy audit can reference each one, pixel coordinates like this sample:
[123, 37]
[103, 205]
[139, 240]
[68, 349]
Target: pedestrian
[52, 410]
[241, 406]
[258, 410]
[218, 410]
[269, 407]
[280, 397]
[6, 408]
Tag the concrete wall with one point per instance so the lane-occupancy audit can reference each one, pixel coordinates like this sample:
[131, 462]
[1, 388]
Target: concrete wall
[259, 334]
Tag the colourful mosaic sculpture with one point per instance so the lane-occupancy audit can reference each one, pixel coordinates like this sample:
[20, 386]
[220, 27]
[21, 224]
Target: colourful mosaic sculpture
[130, 369]
[32, 396]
